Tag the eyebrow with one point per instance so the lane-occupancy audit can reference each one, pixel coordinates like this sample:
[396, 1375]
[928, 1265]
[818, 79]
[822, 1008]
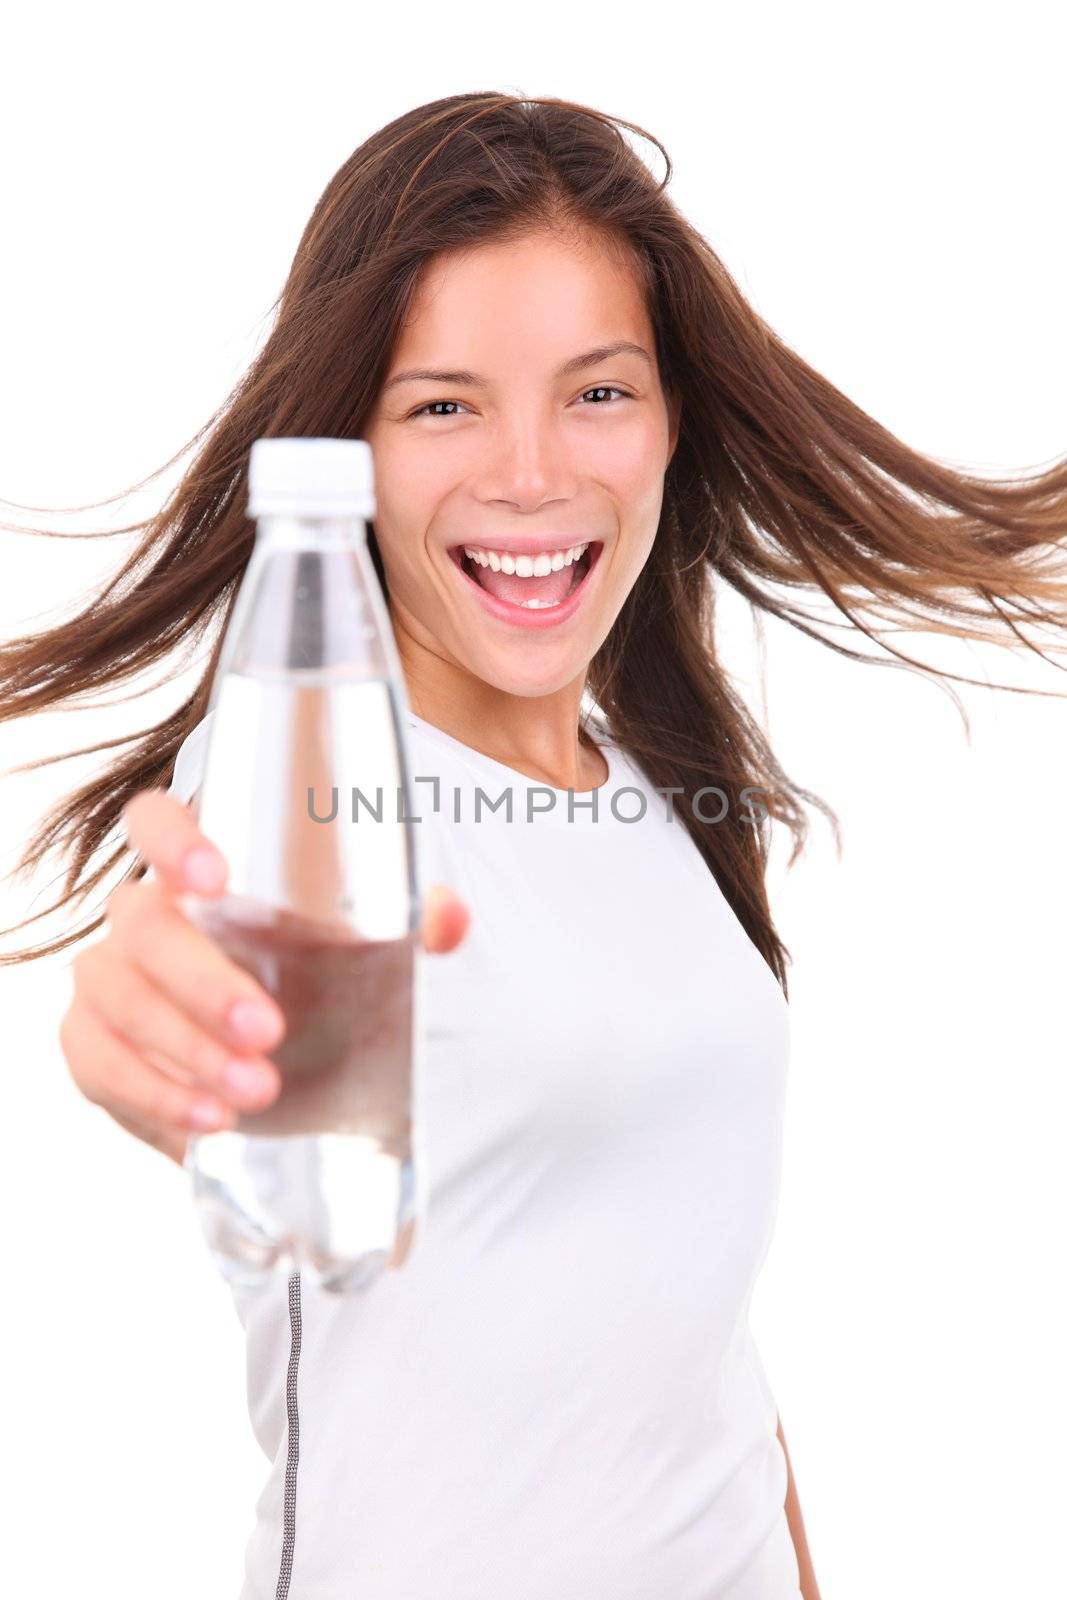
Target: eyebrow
[472, 380]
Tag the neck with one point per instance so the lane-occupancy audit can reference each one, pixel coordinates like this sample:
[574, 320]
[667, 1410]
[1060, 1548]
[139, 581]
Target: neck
[536, 734]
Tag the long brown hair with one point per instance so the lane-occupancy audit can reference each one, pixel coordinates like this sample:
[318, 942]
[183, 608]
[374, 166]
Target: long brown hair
[779, 484]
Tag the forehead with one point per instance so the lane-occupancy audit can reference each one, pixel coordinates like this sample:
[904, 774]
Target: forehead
[543, 291]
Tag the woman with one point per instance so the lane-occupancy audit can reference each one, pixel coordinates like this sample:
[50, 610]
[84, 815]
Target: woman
[558, 1396]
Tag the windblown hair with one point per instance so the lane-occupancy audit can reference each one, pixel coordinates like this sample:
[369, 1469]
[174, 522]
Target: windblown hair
[779, 486]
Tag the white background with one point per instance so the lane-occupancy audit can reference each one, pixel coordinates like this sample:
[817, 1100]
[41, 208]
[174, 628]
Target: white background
[886, 184]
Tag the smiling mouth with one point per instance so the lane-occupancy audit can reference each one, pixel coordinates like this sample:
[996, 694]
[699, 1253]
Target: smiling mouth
[541, 591]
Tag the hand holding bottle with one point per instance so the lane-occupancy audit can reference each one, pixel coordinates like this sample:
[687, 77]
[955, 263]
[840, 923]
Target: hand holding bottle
[164, 1031]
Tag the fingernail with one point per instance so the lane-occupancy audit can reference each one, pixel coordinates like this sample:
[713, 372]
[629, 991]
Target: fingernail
[246, 1080]
[253, 1022]
[208, 1114]
[204, 868]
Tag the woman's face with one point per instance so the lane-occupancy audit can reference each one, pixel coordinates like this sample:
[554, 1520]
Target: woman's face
[532, 437]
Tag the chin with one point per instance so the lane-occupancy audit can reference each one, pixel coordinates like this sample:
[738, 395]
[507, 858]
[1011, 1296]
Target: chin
[534, 678]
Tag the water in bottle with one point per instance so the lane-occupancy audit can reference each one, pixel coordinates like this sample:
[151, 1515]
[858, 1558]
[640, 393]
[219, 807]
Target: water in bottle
[306, 792]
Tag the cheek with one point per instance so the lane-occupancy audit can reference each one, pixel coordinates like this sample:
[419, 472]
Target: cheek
[407, 480]
[641, 517]
[635, 551]
[636, 483]
[404, 511]
[632, 462]
[401, 552]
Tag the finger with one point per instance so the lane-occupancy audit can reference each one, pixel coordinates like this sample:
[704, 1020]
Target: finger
[112, 1075]
[446, 919]
[166, 834]
[143, 1016]
[153, 934]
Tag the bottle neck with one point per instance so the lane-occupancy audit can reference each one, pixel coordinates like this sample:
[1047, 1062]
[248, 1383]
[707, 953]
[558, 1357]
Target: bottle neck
[283, 530]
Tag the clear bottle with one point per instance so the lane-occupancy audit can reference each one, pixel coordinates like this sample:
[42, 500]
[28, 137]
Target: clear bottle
[306, 792]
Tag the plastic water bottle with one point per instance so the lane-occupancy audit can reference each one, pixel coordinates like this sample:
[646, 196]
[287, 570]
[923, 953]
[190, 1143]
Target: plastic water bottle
[306, 792]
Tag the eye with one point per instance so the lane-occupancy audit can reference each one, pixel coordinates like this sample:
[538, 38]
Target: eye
[607, 389]
[427, 408]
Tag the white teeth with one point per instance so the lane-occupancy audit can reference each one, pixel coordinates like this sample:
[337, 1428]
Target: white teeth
[538, 605]
[526, 566]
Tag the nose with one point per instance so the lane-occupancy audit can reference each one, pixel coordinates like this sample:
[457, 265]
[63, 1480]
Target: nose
[527, 465]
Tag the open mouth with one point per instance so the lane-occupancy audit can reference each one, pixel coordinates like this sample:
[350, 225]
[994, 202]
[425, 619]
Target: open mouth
[532, 586]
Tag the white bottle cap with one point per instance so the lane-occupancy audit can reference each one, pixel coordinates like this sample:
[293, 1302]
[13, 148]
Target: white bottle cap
[311, 478]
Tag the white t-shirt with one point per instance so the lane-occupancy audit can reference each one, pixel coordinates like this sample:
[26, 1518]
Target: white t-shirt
[558, 1396]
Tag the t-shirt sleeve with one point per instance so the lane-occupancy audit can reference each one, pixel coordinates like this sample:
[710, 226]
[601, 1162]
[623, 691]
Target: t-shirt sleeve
[188, 769]
[189, 763]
